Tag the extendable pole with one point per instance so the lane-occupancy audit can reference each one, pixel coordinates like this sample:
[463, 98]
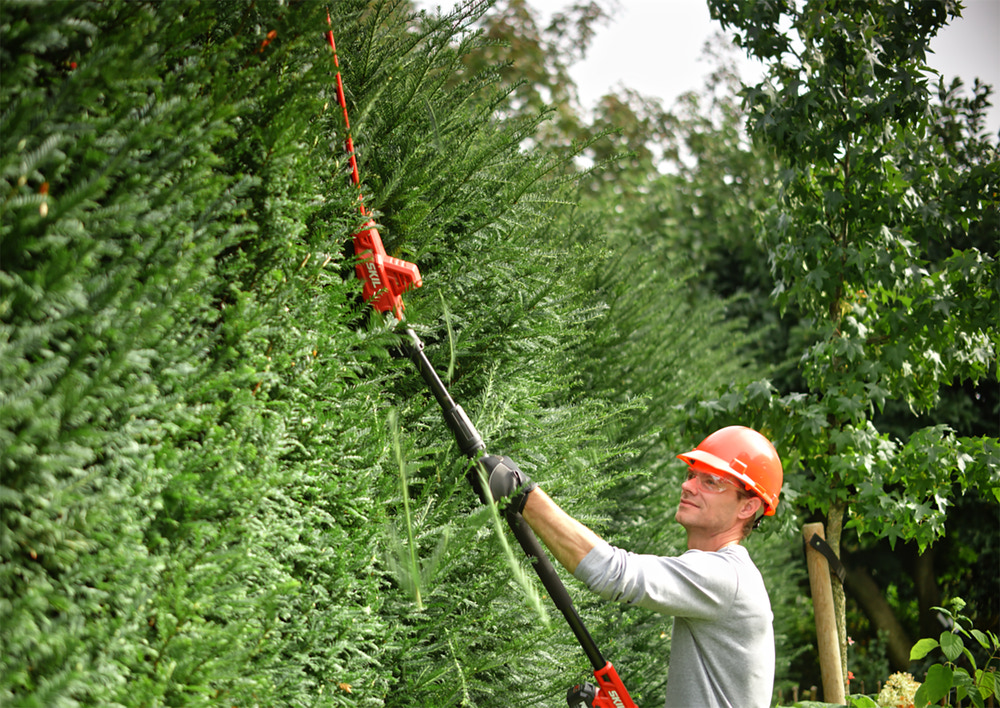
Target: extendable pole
[557, 591]
[472, 446]
[468, 438]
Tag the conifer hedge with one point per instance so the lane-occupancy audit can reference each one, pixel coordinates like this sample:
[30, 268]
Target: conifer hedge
[201, 494]
[221, 483]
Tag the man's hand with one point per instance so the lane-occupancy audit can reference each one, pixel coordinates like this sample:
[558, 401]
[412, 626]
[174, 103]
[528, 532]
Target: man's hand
[505, 479]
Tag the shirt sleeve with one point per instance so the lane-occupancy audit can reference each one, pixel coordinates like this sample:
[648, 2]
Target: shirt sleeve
[696, 585]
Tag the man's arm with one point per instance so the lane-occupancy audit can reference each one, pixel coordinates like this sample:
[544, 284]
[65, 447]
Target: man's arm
[567, 539]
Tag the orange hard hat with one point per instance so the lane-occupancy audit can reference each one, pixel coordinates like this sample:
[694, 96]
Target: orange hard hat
[745, 455]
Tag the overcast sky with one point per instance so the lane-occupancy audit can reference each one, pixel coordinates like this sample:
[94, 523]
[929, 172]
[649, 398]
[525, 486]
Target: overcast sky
[655, 47]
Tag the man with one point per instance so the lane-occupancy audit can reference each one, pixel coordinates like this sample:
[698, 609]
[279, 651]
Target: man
[722, 650]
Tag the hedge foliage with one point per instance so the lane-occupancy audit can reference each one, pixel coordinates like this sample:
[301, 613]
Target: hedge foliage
[221, 483]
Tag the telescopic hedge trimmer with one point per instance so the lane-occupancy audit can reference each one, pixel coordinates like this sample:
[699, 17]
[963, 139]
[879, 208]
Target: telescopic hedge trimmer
[385, 279]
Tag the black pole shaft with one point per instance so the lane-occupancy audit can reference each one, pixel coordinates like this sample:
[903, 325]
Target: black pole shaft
[472, 445]
[468, 438]
[557, 591]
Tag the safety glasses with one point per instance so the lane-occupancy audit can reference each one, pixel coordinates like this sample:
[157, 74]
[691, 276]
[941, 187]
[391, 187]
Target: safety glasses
[711, 483]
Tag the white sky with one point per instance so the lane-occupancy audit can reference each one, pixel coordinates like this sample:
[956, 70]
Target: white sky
[655, 47]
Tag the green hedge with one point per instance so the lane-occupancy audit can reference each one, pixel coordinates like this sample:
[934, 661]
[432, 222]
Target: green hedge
[201, 497]
[205, 435]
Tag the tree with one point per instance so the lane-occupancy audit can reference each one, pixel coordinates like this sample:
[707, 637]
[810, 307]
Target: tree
[873, 241]
[185, 435]
[655, 334]
[533, 62]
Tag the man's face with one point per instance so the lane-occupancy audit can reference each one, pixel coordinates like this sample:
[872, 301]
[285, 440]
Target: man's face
[709, 503]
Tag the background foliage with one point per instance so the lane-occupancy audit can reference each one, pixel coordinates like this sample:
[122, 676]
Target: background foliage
[222, 484]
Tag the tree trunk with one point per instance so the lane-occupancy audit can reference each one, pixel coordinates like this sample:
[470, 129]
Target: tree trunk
[834, 529]
[869, 596]
[921, 569]
[827, 639]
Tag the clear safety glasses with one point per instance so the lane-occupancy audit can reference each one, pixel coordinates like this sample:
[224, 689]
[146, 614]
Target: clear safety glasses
[711, 483]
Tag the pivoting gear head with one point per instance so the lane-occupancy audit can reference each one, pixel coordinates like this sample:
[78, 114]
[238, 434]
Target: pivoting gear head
[742, 454]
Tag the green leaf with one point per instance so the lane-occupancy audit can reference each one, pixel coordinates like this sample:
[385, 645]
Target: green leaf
[983, 640]
[965, 686]
[951, 645]
[971, 658]
[936, 686]
[922, 648]
[987, 682]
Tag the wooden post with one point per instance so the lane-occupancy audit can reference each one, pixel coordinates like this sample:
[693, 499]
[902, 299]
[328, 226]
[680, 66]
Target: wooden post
[827, 641]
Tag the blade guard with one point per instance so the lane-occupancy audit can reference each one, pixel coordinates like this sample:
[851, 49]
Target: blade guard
[384, 278]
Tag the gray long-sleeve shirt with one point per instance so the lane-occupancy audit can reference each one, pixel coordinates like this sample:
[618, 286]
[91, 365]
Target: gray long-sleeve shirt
[722, 648]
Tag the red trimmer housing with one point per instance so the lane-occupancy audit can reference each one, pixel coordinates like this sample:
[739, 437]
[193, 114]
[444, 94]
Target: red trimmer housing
[609, 693]
[384, 278]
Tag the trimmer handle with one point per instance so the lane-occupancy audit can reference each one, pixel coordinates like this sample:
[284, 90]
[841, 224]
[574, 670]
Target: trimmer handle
[610, 693]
